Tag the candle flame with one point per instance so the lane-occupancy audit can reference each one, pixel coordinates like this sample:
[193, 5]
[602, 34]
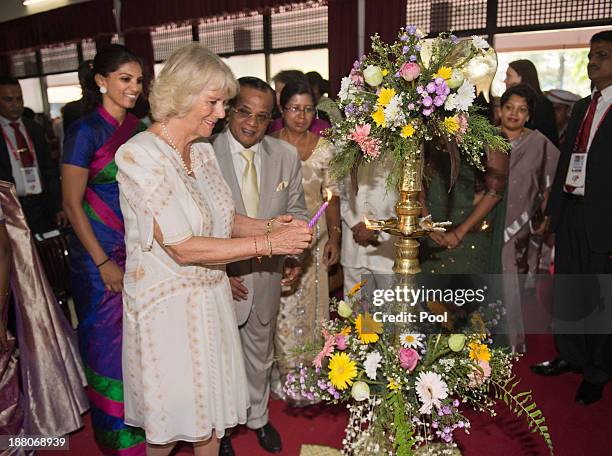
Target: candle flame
[329, 194]
[368, 224]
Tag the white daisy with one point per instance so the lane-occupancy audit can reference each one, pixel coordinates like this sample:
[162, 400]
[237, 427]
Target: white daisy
[393, 112]
[479, 42]
[431, 389]
[411, 340]
[462, 100]
[371, 364]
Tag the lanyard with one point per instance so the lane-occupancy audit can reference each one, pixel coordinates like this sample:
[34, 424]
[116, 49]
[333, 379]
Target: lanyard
[13, 148]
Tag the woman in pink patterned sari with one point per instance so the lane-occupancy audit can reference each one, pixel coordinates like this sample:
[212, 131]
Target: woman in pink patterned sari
[91, 201]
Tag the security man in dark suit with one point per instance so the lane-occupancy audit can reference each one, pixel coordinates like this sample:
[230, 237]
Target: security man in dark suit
[580, 209]
[25, 161]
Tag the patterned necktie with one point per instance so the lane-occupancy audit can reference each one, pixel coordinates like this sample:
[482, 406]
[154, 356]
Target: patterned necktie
[23, 150]
[250, 189]
[584, 132]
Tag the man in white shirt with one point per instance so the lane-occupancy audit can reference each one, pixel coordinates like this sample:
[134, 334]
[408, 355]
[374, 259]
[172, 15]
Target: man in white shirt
[580, 208]
[365, 251]
[25, 161]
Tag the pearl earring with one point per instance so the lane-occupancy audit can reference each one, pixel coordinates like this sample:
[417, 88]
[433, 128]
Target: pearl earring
[103, 90]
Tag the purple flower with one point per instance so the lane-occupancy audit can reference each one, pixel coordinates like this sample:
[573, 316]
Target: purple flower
[419, 89]
[460, 424]
[434, 424]
[405, 50]
[349, 110]
[439, 100]
[322, 385]
[447, 430]
[331, 390]
[447, 438]
[336, 395]
[427, 111]
[446, 409]
[411, 30]
[456, 402]
[411, 106]
[417, 48]
[431, 87]
[454, 39]
[440, 90]
[427, 101]
[290, 378]
[398, 75]
[404, 37]
[439, 81]
[413, 58]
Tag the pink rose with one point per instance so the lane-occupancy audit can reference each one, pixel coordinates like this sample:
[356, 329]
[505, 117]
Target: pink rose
[477, 377]
[408, 358]
[410, 71]
[341, 342]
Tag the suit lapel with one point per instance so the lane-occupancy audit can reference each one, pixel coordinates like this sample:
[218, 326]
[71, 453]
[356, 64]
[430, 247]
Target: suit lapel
[269, 169]
[226, 164]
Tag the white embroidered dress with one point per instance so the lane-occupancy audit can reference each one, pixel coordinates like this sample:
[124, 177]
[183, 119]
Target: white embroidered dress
[183, 369]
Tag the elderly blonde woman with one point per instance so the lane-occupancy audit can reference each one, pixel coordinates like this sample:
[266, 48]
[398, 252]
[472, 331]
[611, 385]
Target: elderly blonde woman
[183, 366]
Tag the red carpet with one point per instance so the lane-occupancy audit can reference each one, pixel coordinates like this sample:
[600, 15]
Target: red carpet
[575, 430]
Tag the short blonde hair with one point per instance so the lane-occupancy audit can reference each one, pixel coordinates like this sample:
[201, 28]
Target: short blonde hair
[189, 70]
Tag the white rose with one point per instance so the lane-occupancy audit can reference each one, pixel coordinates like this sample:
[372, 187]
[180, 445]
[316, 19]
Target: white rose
[373, 75]
[360, 391]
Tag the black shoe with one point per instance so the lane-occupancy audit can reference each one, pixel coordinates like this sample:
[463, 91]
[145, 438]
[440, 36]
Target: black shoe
[269, 438]
[588, 393]
[557, 366]
[225, 448]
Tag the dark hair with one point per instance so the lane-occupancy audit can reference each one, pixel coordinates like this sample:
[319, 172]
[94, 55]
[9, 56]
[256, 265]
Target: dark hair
[286, 76]
[605, 35]
[254, 83]
[85, 68]
[107, 60]
[293, 88]
[528, 73]
[523, 91]
[315, 79]
[8, 80]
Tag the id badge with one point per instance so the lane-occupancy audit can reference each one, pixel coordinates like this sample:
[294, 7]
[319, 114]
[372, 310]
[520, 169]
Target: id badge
[31, 178]
[576, 172]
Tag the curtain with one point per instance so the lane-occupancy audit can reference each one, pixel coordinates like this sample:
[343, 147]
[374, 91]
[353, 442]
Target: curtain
[342, 40]
[146, 13]
[385, 19]
[70, 23]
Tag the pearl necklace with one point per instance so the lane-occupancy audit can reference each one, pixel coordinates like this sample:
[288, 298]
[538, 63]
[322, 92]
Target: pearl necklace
[169, 139]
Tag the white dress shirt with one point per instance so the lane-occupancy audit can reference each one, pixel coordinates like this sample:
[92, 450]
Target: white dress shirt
[240, 163]
[20, 185]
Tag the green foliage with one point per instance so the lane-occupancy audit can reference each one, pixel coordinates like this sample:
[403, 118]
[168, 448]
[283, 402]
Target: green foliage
[403, 429]
[522, 404]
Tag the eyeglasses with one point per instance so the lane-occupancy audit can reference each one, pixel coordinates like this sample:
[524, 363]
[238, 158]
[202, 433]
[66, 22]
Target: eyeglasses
[243, 114]
[296, 109]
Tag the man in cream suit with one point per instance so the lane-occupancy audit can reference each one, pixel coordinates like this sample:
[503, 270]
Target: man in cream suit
[365, 251]
[265, 177]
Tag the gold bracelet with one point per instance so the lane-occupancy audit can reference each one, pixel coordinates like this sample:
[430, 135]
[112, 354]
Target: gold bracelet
[269, 245]
[269, 226]
[337, 229]
[257, 255]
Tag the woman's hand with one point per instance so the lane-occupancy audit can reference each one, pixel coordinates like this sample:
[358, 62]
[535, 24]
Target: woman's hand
[112, 276]
[290, 240]
[451, 239]
[331, 253]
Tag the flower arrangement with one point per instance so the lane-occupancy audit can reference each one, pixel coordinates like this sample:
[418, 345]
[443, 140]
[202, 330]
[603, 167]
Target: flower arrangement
[409, 92]
[405, 392]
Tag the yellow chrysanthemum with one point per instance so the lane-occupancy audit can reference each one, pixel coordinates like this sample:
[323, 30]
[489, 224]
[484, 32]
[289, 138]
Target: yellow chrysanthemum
[342, 371]
[385, 72]
[367, 328]
[444, 72]
[392, 385]
[479, 352]
[356, 288]
[345, 331]
[407, 131]
[451, 124]
[379, 117]
[384, 96]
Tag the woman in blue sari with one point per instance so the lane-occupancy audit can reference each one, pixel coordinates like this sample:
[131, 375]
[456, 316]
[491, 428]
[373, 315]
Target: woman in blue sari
[91, 201]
